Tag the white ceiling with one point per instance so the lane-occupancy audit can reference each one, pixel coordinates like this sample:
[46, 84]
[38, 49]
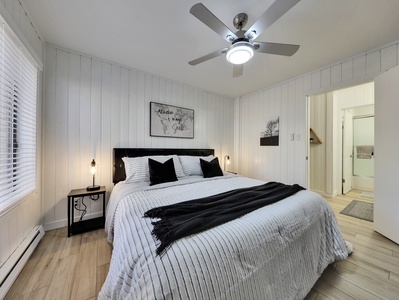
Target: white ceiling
[160, 37]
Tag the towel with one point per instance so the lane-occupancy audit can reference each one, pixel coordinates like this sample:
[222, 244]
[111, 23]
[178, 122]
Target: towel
[365, 151]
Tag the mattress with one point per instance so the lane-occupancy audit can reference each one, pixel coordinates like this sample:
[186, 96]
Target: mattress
[276, 252]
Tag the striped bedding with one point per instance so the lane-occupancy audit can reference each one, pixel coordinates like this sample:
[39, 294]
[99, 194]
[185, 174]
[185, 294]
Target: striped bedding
[276, 252]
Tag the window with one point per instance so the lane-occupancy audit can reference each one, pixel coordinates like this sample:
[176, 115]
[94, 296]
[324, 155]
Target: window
[18, 92]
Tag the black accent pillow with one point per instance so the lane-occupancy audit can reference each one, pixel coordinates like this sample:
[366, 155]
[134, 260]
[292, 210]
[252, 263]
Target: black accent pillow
[211, 168]
[161, 172]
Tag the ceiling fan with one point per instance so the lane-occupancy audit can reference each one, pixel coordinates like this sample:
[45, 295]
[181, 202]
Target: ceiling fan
[243, 44]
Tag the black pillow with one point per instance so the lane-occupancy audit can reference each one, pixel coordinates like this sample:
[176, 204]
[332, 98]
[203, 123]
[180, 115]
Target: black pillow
[211, 168]
[161, 172]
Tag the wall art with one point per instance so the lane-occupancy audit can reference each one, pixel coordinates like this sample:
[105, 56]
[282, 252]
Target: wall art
[171, 121]
[270, 135]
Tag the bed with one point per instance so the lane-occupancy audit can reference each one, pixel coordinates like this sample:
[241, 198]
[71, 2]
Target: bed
[275, 252]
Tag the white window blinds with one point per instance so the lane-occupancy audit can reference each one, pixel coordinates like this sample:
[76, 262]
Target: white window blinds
[18, 92]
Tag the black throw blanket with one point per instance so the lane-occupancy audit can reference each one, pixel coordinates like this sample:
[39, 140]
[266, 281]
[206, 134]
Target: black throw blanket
[185, 218]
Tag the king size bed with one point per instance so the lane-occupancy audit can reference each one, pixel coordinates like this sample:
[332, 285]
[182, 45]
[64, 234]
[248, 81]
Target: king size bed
[277, 251]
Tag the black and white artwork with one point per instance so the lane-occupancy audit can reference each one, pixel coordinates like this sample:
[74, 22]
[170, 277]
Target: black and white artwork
[171, 121]
[270, 135]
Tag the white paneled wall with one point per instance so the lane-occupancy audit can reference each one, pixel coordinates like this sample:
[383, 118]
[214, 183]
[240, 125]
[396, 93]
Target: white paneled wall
[356, 96]
[92, 106]
[287, 162]
[278, 163]
[318, 152]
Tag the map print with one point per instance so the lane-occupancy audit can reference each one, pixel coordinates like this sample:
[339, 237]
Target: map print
[171, 121]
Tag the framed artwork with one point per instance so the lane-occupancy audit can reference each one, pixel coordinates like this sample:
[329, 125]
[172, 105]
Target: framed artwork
[270, 136]
[171, 121]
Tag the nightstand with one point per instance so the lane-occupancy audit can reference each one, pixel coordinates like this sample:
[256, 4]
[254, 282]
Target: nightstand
[84, 225]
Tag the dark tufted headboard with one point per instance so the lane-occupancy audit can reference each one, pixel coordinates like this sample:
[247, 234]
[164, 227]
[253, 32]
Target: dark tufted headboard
[119, 166]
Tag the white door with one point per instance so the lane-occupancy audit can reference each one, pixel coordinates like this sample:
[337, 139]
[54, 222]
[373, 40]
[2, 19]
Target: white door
[386, 151]
[347, 151]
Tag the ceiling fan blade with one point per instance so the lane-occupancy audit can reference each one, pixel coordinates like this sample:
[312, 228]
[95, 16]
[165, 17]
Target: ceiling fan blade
[208, 57]
[238, 70]
[276, 48]
[271, 15]
[209, 19]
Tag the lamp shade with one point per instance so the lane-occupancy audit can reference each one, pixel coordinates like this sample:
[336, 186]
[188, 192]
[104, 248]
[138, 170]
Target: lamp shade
[93, 167]
[240, 53]
[226, 161]
[93, 172]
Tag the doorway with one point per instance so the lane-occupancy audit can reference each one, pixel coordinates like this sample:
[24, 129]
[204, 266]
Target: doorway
[326, 165]
[358, 150]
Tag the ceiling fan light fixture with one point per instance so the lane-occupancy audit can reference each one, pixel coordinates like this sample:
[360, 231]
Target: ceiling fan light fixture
[239, 53]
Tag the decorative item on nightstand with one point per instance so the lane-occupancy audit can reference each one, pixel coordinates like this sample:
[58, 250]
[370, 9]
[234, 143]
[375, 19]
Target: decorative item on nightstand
[226, 161]
[93, 171]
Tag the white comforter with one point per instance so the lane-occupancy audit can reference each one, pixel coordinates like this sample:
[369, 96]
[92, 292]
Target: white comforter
[276, 252]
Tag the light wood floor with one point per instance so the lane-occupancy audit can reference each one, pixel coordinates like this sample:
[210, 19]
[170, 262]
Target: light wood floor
[76, 267]
[64, 268]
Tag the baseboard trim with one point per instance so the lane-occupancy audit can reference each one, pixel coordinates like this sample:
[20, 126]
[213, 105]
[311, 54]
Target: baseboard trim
[10, 270]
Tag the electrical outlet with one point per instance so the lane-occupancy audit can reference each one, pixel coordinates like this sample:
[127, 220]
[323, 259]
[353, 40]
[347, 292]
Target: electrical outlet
[76, 202]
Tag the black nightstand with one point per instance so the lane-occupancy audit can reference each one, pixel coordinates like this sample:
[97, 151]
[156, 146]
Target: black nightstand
[84, 225]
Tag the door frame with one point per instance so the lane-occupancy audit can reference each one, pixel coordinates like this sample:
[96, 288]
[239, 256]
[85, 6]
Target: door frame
[336, 180]
[347, 168]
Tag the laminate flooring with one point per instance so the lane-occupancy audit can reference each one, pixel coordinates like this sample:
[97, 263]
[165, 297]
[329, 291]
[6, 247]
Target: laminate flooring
[76, 267]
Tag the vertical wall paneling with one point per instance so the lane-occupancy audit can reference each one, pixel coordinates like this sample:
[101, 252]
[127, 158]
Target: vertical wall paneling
[316, 80]
[155, 97]
[359, 67]
[124, 109]
[389, 57]
[347, 71]
[336, 74]
[61, 127]
[115, 103]
[330, 151]
[85, 116]
[300, 133]
[373, 65]
[49, 134]
[285, 131]
[290, 123]
[73, 119]
[147, 94]
[133, 111]
[318, 116]
[260, 114]
[326, 77]
[105, 123]
[140, 105]
[92, 106]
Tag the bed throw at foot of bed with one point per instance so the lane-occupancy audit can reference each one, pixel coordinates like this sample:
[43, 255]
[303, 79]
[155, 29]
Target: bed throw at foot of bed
[185, 218]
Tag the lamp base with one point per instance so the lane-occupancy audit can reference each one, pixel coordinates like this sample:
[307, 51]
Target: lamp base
[93, 188]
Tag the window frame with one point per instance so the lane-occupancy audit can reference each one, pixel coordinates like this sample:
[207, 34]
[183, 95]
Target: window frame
[19, 102]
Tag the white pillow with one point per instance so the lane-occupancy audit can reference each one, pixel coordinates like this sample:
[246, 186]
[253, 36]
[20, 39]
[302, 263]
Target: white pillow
[191, 164]
[136, 168]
